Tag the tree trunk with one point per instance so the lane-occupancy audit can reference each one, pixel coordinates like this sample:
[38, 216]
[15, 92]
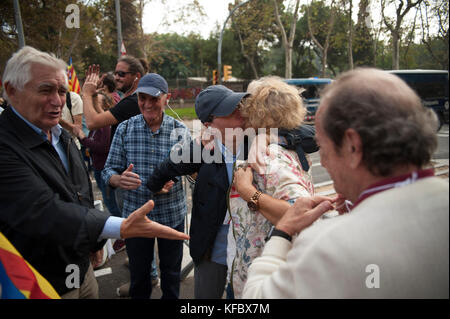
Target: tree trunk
[350, 37]
[395, 51]
[287, 43]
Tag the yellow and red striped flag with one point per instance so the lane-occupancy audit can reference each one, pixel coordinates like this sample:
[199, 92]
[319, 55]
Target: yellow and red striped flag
[74, 84]
[18, 279]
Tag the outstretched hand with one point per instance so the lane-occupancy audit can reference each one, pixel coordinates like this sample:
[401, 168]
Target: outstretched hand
[92, 80]
[139, 225]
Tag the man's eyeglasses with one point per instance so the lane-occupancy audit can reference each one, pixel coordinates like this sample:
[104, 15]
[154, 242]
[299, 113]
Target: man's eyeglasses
[121, 73]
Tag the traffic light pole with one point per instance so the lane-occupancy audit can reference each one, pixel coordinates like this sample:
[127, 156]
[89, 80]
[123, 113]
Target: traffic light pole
[219, 47]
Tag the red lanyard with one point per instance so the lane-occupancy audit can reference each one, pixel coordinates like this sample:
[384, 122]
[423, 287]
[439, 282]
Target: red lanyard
[394, 182]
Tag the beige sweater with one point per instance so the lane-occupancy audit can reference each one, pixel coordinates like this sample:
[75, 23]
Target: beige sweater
[394, 244]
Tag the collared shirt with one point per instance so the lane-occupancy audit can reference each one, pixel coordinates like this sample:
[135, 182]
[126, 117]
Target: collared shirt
[219, 251]
[56, 133]
[230, 160]
[135, 143]
[112, 225]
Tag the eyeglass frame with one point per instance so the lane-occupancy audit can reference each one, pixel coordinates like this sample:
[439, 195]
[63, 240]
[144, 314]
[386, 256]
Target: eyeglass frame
[122, 73]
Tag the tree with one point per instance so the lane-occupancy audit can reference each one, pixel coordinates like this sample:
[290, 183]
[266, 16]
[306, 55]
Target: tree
[395, 25]
[287, 40]
[350, 31]
[253, 24]
[435, 12]
[313, 16]
[364, 41]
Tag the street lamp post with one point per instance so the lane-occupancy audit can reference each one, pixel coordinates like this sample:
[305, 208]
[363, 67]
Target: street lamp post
[219, 47]
[19, 26]
[119, 28]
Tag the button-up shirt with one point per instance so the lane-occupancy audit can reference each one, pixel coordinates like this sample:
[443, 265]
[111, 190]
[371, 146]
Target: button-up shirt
[135, 143]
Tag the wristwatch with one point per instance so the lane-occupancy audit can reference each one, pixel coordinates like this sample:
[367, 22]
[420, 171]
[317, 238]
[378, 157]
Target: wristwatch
[279, 233]
[253, 204]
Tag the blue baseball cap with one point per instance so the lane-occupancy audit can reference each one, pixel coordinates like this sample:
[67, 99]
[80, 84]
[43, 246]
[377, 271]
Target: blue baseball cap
[152, 84]
[217, 100]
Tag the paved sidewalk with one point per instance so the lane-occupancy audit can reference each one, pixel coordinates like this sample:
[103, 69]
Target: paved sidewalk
[117, 273]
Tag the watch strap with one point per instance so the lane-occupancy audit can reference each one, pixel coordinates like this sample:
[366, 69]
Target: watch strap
[278, 233]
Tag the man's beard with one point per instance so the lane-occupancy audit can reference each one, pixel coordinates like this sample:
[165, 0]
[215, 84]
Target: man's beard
[125, 88]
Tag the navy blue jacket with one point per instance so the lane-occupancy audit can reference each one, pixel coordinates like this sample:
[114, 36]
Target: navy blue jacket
[209, 200]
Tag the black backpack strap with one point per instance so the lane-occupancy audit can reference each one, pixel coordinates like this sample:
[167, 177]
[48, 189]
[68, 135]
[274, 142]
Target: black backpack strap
[302, 157]
[301, 140]
[69, 104]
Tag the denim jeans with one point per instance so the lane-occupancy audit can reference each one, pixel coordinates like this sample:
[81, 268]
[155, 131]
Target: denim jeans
[141, 252]
[108, 194]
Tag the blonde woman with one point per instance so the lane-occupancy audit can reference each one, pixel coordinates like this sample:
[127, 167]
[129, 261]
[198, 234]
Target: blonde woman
[259, 197]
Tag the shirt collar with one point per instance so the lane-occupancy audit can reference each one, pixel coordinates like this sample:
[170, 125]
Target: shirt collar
[227, 154]
[393, 182]
[56, 130]
[163, 123]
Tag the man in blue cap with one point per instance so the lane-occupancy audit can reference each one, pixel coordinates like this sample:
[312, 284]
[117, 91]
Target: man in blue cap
[139, 145]
[217, 107]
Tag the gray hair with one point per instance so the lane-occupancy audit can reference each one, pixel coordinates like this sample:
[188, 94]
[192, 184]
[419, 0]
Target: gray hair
[18, 68]
[395, 128]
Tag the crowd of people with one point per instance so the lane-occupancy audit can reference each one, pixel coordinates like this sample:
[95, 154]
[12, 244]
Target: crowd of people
[256, 230]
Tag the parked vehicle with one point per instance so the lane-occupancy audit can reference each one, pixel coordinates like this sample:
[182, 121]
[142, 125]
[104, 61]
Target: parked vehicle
[431, 86]
[311, 95]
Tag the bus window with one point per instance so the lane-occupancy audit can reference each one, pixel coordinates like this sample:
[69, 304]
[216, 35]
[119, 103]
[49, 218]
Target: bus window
[311, 94]
[431, 86]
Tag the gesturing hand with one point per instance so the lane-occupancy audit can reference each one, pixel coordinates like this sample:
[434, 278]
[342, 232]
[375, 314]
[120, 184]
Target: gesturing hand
[129, 180]
[91, 81]
[303, 213]
[166, 188]
[139, 225]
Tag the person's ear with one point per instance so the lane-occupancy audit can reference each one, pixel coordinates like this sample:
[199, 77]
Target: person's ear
[352, 145]
[168, 97]
[10, 91]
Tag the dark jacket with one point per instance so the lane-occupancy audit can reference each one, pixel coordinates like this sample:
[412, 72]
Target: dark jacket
[209, 200]
[46, 213]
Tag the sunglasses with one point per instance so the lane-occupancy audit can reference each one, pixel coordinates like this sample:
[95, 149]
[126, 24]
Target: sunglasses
[121, 73]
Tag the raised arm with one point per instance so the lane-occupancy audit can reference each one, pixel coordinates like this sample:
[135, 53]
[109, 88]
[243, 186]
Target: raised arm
[94, 120]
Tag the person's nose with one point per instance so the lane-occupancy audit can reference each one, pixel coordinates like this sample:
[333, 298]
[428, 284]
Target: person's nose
[57, 100]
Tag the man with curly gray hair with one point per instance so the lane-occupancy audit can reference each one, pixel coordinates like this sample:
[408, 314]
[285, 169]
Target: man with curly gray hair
[375, 140]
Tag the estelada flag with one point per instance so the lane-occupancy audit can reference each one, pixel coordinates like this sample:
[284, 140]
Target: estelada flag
[74, 84]
[18, 279]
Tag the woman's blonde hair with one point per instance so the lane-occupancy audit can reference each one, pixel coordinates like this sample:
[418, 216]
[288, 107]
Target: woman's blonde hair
[273, 104]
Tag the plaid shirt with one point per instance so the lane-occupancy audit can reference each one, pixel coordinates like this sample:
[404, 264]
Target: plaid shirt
[135, 143]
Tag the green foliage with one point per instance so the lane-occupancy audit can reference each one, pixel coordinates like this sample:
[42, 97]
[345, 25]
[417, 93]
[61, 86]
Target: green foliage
[251, 42]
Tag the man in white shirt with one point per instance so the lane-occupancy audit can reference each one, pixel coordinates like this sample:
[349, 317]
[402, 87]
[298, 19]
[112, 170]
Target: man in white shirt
[72, 117]
[375, 139]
